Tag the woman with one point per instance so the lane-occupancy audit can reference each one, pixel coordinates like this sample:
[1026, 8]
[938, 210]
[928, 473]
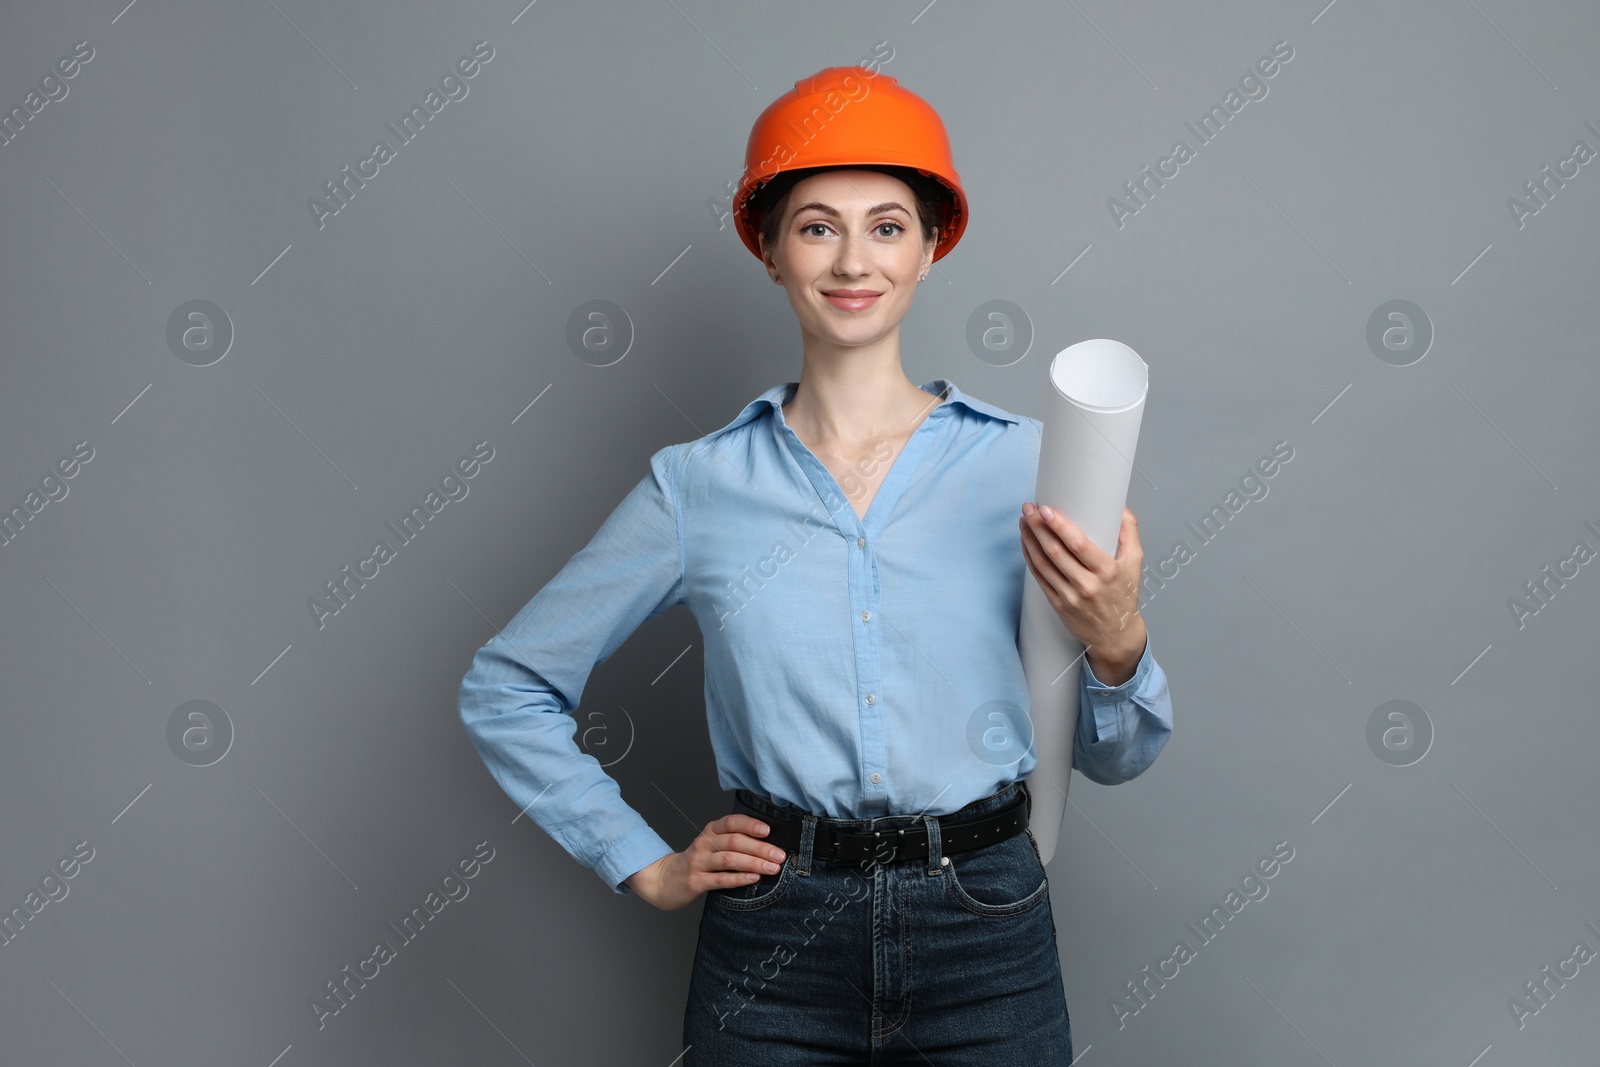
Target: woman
[877, 896]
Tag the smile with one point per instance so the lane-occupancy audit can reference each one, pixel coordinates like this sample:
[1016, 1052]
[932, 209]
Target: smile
[847, 302]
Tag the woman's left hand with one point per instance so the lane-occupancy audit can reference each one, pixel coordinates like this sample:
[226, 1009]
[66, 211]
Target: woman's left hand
[1095, 595]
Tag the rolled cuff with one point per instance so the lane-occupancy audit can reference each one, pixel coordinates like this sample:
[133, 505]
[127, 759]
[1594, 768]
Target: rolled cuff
[1105, 699]
[628, 856]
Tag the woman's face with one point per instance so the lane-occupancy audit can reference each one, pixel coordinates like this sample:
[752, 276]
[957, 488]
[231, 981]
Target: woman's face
[849, 253]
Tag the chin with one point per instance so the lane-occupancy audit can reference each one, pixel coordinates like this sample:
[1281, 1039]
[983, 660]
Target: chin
[857, 340]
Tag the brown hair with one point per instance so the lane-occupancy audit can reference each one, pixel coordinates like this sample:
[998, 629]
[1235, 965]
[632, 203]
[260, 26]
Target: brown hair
[768, 203]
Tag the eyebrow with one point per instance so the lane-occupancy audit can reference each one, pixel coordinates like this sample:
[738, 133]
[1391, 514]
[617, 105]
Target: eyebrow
[876, 209]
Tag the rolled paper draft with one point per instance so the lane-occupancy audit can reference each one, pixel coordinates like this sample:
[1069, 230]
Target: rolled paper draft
[1093, 409]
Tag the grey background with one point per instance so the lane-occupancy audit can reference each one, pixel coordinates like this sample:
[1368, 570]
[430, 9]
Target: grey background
[588, 157]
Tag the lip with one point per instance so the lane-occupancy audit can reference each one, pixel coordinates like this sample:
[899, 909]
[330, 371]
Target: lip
[852, 299]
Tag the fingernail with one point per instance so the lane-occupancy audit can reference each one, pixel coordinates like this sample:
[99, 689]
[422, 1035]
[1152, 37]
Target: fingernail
[1047, 511]
[772, 868]
[778, 854]
[1027, 508]
[762, 828]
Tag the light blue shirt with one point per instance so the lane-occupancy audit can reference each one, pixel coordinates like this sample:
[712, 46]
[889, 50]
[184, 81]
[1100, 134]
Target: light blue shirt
[853, 667]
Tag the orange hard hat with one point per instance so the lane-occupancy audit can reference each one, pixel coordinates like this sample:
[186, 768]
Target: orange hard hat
[843, 116]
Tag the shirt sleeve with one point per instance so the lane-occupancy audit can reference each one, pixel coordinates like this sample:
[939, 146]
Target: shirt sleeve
[1122, 728]
[517, 698]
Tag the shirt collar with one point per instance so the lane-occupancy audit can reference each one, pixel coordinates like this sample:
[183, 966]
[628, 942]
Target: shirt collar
[779, 395]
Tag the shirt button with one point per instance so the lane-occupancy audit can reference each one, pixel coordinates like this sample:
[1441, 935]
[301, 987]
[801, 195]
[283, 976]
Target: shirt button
[861, 542]
[866, 616]
[876, 777]
[871, 699]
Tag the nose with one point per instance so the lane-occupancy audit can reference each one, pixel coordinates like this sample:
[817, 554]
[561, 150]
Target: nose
[849, 261]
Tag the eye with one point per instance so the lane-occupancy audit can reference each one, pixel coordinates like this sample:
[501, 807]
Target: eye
[898, 228]
[808, 226]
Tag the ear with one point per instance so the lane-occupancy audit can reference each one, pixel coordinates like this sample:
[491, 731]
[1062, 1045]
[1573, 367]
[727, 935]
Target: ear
[766, 255]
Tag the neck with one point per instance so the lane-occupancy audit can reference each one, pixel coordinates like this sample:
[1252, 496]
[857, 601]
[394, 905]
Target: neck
[855, 395]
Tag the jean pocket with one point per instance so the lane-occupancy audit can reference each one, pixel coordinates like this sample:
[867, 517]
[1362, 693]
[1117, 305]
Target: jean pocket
[765, 890]
[998, 880]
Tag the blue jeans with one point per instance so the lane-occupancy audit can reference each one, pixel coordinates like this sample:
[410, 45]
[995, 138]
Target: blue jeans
[905, 961]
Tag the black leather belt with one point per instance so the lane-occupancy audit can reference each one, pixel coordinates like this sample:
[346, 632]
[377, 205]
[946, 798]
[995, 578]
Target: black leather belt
[896, 843]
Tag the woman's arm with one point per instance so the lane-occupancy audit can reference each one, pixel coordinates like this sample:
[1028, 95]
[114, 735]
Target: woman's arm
[1122, 727]
[517, 699]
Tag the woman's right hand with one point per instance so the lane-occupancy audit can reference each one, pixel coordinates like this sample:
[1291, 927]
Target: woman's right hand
[728, 852]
